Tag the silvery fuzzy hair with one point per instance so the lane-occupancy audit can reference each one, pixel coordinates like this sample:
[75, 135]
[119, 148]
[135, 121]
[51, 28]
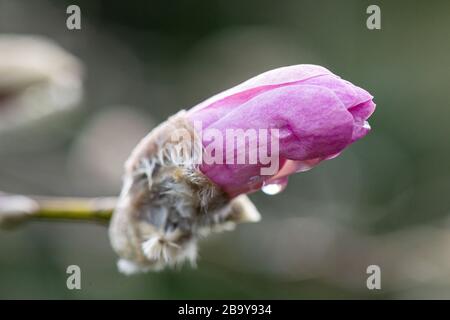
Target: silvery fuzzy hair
[166, 204]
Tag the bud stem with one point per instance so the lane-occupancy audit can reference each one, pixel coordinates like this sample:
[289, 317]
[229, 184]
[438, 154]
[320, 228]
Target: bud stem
[15, 209]
[95, 209]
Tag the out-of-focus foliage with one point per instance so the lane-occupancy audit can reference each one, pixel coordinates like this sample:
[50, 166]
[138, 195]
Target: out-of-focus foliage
[383, 201]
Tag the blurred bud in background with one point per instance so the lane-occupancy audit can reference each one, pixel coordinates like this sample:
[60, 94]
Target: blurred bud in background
[38, 79]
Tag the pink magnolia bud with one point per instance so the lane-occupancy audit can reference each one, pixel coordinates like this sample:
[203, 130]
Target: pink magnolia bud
[317, 114]
[188, 177]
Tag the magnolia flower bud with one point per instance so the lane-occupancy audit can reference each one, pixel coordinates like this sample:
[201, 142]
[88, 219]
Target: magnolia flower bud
[189, 176]
[317, 114]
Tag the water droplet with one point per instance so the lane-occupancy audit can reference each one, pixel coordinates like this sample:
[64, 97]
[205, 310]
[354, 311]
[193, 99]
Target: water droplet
[273, 188]
[366, 125]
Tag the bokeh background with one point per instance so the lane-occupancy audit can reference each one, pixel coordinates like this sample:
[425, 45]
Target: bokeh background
[384, 201]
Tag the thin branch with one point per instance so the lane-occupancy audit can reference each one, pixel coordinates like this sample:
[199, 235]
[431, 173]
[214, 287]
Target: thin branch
[16, 209]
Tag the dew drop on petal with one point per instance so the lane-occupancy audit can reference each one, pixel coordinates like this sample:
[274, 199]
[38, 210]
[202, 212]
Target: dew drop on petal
[274, 187]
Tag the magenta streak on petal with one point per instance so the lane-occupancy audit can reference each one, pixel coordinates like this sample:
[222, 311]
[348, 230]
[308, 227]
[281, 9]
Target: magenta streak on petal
[215, 111]
[213, 108]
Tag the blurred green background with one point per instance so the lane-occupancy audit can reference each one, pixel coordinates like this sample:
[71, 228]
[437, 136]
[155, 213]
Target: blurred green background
[384, 201]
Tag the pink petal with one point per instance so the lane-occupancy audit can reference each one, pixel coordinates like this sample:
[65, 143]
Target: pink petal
[312, 120]
[217, 106]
